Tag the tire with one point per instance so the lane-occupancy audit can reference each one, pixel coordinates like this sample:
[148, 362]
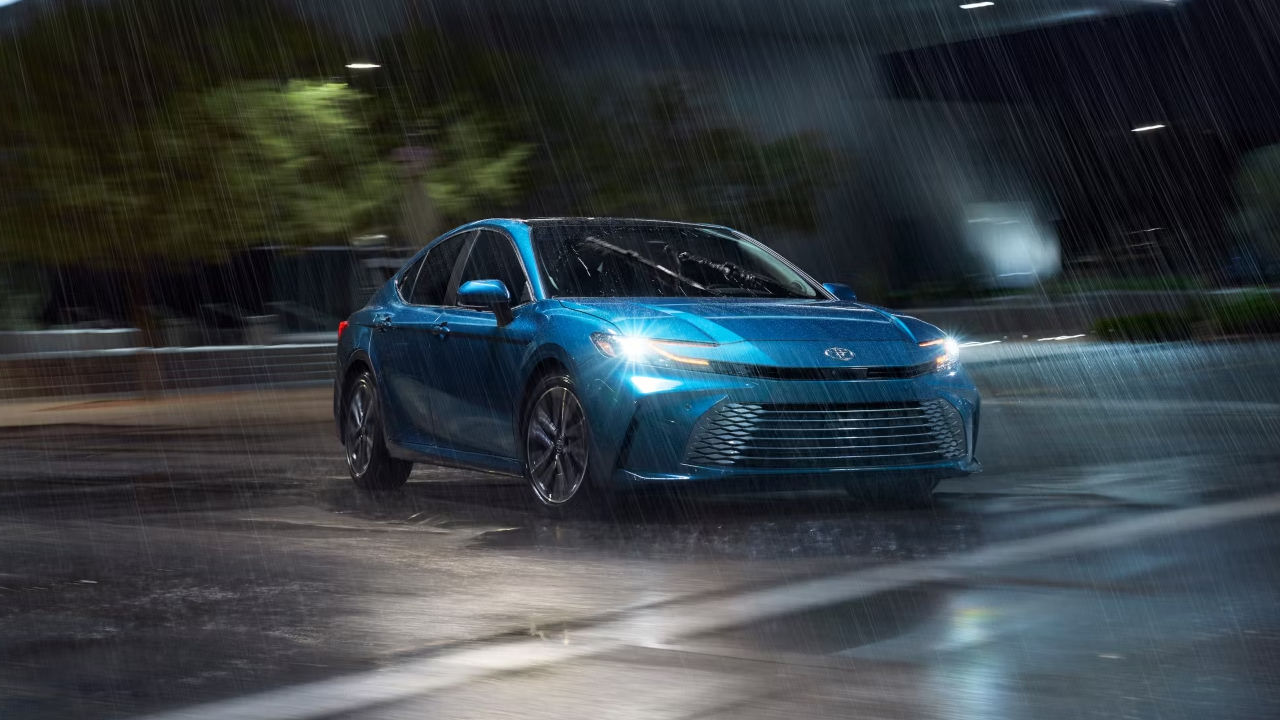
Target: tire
[904, 492]
[555, 440]
[370, 465]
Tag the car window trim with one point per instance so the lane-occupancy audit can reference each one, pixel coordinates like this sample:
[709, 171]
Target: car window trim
[451, 295]
[401, 282]
[453, 272]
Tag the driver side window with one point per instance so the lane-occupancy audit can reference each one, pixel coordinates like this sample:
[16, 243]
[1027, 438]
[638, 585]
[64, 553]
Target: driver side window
[493, 257]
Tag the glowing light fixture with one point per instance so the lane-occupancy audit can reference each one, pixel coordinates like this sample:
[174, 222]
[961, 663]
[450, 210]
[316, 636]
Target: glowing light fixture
[363, 66]
[646, 385]
[641, 349]
[950, 352]
[1148, 128]
[976, 5]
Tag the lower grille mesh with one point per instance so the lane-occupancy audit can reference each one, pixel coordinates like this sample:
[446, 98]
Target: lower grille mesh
[819, 436]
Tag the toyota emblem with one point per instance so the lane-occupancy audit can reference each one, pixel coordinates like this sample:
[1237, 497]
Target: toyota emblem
[839, 353]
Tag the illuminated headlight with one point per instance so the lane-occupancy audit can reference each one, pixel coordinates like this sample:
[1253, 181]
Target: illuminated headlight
[647, 351]
[950, 356]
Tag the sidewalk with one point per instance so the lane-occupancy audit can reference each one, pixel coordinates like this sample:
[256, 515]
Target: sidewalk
[204, 409]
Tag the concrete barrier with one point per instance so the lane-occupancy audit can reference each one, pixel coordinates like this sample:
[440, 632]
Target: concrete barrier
[21, 342]
[131, 371]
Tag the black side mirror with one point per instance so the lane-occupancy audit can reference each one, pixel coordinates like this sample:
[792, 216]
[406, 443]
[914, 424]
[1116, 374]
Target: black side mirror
[487, 294]
[841, 291]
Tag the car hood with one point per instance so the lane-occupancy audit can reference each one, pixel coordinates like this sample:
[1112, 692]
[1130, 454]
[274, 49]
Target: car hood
[730, 320]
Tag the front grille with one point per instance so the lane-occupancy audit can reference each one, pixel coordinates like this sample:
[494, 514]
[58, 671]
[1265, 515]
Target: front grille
[772, 372]
[827, 436]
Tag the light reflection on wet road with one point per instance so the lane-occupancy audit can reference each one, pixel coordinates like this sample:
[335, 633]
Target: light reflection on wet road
[147, 570]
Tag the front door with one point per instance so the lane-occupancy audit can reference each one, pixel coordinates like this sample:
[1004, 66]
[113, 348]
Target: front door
[480, 381]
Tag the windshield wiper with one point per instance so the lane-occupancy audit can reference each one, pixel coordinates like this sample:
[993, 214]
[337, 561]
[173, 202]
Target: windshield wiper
[639, 259]
[732, 272]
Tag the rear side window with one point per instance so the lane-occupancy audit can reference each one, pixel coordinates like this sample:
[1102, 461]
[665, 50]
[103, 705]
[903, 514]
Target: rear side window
[433, 279]
[405, 282]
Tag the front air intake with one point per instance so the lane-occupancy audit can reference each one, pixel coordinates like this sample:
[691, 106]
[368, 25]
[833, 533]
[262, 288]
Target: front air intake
[745, 435]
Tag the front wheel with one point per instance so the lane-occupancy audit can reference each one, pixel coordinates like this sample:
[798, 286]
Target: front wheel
[370, 465]
[557, 447]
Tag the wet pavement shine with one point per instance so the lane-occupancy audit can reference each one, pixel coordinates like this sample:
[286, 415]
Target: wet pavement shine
[1116, 559]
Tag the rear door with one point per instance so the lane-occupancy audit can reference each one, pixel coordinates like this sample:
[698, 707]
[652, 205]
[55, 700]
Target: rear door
[405, 358]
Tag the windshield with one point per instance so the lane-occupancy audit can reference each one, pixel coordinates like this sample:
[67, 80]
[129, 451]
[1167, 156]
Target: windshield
[661, 261]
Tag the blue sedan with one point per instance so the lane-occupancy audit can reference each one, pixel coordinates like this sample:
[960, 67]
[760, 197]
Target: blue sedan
[589, 355]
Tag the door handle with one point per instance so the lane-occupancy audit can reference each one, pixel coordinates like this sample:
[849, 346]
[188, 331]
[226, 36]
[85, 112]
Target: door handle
[439, 329]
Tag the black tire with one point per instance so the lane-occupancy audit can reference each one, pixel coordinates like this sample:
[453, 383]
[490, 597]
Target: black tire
[562, 446]
[905, 492]
[370, 465]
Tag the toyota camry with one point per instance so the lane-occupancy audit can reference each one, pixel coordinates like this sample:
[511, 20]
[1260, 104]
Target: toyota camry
[590, 355]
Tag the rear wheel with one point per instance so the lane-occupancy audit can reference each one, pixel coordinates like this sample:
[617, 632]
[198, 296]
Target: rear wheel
[370, 465]
[557, 447]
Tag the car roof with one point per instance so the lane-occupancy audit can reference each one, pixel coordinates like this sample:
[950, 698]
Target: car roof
[598, 221]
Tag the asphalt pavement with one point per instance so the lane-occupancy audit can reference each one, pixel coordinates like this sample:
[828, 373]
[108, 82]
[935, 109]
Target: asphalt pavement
[205, 556]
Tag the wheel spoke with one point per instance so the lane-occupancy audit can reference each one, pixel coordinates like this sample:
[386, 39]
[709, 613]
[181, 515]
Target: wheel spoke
[571, 467]
[561, 490]
[543, 422]
[578, 455]
[538, 466]
[573, 430]
[560, 419]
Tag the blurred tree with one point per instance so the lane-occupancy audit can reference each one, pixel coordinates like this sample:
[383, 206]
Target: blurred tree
[660, 154]
[471, 114]
[100, 92]
[1257, 219]
[213, 171]
[476, 169]
[257, 163]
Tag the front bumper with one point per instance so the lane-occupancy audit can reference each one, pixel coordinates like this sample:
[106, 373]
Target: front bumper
[644, 419]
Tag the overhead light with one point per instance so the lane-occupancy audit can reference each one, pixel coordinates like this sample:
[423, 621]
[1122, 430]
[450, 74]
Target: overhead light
[363, 66]
[976, 5]
[1147, 128]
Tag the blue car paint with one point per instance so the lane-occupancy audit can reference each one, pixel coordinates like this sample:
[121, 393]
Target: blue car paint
[456, 398]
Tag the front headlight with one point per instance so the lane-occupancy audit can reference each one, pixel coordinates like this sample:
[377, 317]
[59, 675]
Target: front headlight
[647, 351]
[950, 356]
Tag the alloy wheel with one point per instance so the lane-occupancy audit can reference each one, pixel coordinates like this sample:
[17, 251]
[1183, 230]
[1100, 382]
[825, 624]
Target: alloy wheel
[556, 446]
[359, 439]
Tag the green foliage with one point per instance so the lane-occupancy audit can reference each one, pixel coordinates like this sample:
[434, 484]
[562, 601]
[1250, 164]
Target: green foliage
[215, 170]
[477, 170]
[1252, 314]
[256, 164]
[1257, 221]
[661, 155]
[1249, 314]
[1144, 327]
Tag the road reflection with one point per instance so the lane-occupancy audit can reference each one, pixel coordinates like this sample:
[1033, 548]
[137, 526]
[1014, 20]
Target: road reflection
[664, 525]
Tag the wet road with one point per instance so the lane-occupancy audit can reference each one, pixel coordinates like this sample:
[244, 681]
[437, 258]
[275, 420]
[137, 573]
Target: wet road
[1116, 559]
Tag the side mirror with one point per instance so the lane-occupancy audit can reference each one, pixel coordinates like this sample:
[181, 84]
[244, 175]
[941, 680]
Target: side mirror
[487, 294]
[841, 291]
